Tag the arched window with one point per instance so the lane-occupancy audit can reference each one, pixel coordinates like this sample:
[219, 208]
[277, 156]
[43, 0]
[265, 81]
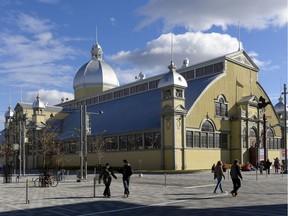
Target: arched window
[207, 135]
[221, 106]
[270, 139]
[252, 137]
[244, 138]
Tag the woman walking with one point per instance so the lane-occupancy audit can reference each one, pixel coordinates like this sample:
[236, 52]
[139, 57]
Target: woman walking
[218, 174]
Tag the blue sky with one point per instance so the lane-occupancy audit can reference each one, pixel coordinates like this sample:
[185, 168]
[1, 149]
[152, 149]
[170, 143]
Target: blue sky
[44, 42]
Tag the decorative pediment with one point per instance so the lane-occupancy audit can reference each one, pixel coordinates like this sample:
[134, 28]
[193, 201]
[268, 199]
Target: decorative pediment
[180, 109]
[248, 99]
[241, 57]
[168, 109]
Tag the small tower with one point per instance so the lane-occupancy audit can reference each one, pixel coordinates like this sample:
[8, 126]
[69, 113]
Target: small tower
[173, 125]
[38, 111]
[8, 116]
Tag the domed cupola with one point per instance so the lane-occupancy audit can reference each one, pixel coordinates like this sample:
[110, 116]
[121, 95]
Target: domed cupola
[172, 78]
[38, 105]
[8, 116]
[94, 76]
[280, 107]
[9, 113]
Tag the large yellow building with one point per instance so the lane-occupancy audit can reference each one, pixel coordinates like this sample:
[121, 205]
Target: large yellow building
[184, 119]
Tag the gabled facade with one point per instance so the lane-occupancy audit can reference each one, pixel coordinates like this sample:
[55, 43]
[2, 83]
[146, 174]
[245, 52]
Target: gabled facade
[184, 119]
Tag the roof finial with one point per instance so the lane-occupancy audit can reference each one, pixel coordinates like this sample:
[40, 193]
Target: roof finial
[21, 95]
[10, 97]
[96, 35]
[171, 46]
[239, 36]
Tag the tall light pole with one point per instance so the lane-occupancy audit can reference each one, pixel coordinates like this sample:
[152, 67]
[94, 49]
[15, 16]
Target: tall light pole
[285, 127]
[261, 105]
[81, 142]
[86, 132]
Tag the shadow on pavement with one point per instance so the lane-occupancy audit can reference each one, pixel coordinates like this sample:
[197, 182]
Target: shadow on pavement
[123, 208]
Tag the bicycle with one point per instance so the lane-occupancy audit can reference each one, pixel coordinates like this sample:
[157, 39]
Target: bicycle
[46, 181]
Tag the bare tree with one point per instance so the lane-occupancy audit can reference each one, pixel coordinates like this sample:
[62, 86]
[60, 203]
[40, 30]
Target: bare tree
[47, 145]
[98, 145]
[44, 141]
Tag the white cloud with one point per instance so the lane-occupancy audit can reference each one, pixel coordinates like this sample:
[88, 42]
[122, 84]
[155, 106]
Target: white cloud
[201, 15]
[37, 56]
[156, 56]
[51, 97]
[31, 24]
[49, 1]
[112, 21]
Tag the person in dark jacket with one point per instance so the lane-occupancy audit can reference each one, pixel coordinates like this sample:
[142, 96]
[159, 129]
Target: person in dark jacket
[268, 164]
[107, 174]
[126, 171]
[235, 174]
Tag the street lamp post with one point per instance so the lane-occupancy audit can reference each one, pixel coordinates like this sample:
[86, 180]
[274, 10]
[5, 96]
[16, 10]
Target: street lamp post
[81, 142]
[86, 131]
[261, 105]
[285, 127]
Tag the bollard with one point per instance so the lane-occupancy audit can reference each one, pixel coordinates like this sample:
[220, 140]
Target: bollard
[266, 173]
[94, 191]
[165, 179]
[27, 186]
[228, 174]
[256, 174]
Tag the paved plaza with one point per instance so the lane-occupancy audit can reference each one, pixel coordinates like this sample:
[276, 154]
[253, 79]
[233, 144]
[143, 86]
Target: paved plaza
[152, 194]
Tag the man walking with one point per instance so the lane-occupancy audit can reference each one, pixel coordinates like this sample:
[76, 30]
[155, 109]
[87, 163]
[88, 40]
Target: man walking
[126, 171]
[107, 174]
[235, 176]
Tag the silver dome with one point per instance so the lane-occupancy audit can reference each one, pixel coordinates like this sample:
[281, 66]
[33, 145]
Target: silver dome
[9, 113]
[172, 78]
[96, 73]
[38, 104]
[279, 107]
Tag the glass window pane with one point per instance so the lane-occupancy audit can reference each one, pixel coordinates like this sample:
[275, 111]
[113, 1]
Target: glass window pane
[189, 139]
[211, 140]
[123, 143]
[138, 141]
[196, 138]
[131, 142]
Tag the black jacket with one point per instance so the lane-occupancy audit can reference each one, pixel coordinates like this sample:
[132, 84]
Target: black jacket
[107, 174]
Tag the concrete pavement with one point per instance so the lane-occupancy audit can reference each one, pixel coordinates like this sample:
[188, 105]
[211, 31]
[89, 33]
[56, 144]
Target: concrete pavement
[152, 194]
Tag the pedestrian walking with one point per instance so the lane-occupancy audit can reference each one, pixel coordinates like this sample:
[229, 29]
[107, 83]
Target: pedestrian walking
[235, 174]
[218, 174]
[126, 171]
[276, 165]
[261, 167]
[268, 165]
[107, 174]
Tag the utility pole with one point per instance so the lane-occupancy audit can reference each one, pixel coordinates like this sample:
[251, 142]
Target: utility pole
[285, 127]
[20, 147]
[24, 149]
[85, 141]
[81, 142]
[261, 105]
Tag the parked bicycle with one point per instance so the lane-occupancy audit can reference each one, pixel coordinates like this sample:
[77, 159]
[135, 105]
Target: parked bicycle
[46, 181]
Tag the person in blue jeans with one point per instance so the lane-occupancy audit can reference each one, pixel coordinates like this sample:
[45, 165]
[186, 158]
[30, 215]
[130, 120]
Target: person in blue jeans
[218, 174]
[126, 171]
[235, 174]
